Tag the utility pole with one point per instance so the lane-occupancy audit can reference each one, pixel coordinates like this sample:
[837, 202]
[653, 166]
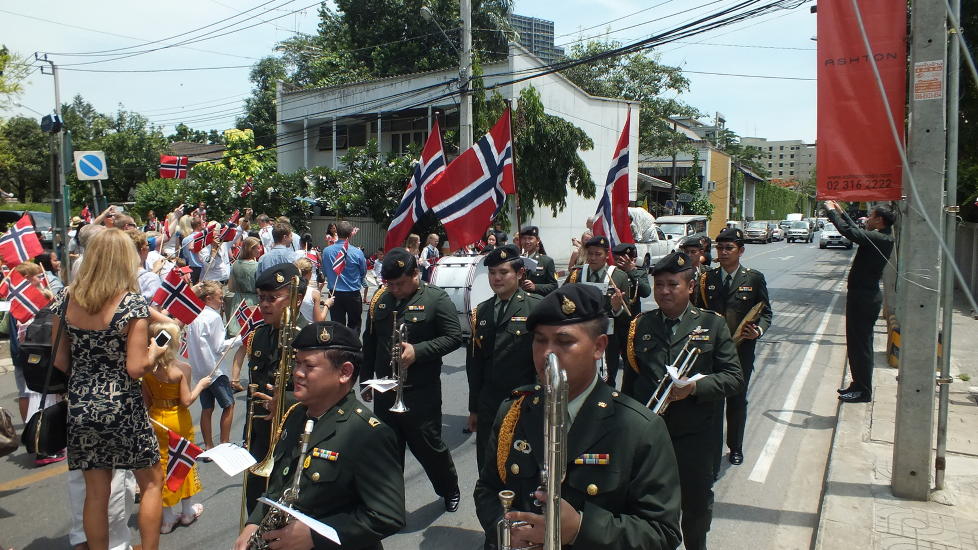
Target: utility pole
[465, 76]
[59, 218]
[919, 284]
[673, 187]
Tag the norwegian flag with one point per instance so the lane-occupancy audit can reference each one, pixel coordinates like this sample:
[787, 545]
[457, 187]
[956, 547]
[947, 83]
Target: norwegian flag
[173, 167]
[20, 243]
[470, 193]
[25, 299]
[177, 297]
[247, 189]
[181, 457]
[251, 321]
[229, 233]
[210, 236]
[339, 262]
[166, 230]
[199, 241]
[234, 217]
[86, 214]
[611, 218]
[427, 170]
[184, 348]
[44, 280]
[235, 250]
[242, 312]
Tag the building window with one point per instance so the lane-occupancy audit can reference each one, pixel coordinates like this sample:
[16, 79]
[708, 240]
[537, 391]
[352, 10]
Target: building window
[781, 147]
[400, 141]
[769, 165]
[346, 136]
[791, 173]
[792, 156]
[780, 165]
[770, 148]
[781, 156]
[780, 172]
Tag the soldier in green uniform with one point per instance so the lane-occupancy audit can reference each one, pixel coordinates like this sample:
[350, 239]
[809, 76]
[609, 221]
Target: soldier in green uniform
[693, 247]
[499, 357]
[261, 347]
[733, 291]
[639, 287]
[351, 478]
[618, 284]
[621, 489]
[655, 339]
[542, 279]
[433, 331]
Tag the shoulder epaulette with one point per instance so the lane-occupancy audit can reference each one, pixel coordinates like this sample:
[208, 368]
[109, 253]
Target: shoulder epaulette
[248, 342]
[630, 345]
[376, 298]
[364, 413]
[285, 417]
[703, 286]
[506, 429]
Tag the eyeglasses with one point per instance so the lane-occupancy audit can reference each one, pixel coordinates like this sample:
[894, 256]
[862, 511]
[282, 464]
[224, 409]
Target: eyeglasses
[727, 248]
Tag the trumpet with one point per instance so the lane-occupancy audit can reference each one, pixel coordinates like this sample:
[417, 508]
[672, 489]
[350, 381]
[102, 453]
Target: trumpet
[399, 335]
[683, 364]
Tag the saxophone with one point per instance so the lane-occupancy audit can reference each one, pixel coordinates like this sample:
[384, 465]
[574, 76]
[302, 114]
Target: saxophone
[276, 519]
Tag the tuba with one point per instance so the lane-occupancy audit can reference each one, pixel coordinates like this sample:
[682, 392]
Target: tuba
[276, 519]
[399, 335]
[683, 364]
[555, 465]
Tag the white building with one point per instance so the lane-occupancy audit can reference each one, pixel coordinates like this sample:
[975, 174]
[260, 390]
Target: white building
[789, 160]
[316, 126]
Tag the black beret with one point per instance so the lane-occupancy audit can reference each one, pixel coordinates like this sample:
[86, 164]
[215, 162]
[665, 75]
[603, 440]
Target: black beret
[397, 262]
[731, 234]
[676, 262]
[502, 254]
[530, 231]
[625, 248]
[598, 240]
[327, 335]
[569, 304]
[691, 241]
[502, 237]
[277, 276]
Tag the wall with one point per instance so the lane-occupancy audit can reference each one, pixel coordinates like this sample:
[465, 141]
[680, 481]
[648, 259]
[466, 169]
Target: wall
[782, 201]
[370, 237]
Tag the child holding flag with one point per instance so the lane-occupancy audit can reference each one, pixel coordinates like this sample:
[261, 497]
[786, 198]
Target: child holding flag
[167, 391]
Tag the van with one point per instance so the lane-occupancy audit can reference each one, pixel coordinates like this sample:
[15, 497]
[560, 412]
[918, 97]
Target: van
[677, 227]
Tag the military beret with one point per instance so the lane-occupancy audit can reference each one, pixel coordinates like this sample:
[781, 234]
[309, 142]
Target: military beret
[625, 248]
[397, 262]
[276, 276]
[530, 231]
[731, 234]
[676, 262]
[504, 253]
[598, 240]
[691, 241]
[327, 335]
[501, 237]
[569, 304]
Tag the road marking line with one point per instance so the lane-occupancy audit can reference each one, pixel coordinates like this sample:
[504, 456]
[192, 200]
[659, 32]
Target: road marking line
[766, 458]
[33, 478]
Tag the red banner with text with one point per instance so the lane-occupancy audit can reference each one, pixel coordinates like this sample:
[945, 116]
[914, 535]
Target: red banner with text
[857, 159]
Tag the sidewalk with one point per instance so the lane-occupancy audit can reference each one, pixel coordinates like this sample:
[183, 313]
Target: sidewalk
[858, 507]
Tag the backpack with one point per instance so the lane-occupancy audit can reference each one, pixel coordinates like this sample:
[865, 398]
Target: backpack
[36, 354]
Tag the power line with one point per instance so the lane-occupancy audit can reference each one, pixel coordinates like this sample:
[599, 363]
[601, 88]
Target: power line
[62, 68]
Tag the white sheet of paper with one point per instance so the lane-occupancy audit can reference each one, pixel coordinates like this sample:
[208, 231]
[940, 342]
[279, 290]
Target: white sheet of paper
[381, 384]
[4, 306]
[312, 523]
[603, 287]
[529, 263]
[674, 374]
[230, 457]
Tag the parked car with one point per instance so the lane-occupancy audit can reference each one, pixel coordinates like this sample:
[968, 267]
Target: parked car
[677, 227]
[830, 236]
[650, 242]
[777, 233]
[800, 231]
[784, 225]
[41, 221]
[757, 232]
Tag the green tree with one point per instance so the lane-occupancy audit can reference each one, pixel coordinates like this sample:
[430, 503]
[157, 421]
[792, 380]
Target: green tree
[693, 185]
[25, 159]
[13, 71]
[182, 132]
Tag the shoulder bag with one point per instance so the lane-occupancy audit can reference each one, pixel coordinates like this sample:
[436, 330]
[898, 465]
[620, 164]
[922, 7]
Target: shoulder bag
[47, 431]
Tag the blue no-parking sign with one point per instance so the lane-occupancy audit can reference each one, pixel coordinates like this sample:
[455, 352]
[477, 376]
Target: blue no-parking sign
[91, 165]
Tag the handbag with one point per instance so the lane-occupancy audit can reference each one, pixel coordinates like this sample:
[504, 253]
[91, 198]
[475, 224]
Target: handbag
[8, 435]
[47, 430]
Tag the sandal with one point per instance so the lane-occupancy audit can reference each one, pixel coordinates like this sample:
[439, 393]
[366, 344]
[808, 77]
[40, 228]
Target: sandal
[198, 510]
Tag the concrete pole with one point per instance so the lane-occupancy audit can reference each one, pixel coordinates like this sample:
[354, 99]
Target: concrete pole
[919, 287]
[59, 218]
[950, 228]
[465, 75]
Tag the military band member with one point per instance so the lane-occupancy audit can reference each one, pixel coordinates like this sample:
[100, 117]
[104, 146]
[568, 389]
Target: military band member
[693, 247]
[597, 270]
[621, 490]
[433, 331]
[261, 347]
[655, 339]
[732, 290]
[625, 255]
[499, 357]
[351, 478]
[542, 279]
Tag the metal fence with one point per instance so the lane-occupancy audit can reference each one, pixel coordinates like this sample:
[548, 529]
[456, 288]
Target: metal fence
[370, 237]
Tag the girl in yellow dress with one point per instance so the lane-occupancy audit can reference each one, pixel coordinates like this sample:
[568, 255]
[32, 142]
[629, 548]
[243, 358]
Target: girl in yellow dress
[168, 394]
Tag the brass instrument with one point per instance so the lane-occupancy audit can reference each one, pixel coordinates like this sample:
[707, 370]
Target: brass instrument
[752, 316]
[683, 363]
[555, 442]
[399, 335]
[252, 388]
[276, 519]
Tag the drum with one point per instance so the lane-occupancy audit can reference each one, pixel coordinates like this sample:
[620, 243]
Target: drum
[466, 280]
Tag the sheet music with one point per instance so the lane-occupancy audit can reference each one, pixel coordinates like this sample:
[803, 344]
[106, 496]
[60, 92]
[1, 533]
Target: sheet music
[674, 374]
[230, 457]
[529, 263]
[312, 523]
[381, 384]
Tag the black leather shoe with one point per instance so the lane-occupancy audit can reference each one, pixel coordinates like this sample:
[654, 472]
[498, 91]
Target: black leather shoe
[736, 458]
[855, 397]
[851, 388]
[451, 503]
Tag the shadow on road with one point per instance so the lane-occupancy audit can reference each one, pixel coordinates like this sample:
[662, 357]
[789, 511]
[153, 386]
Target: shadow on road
[748, 513]
[809, 422]
[421, 518]
[451, 537]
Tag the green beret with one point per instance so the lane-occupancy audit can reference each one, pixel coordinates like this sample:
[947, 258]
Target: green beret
[276, 276]
[327, 335]
[396, 263]
[731, 234]
[676, 262]
[570, 304]
[502, 254]
[598, 240]
[625, 248]
[530, 231]
[691, 241]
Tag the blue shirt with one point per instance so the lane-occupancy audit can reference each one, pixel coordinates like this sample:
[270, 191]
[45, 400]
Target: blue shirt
[187, 251]
[351, 279]
[279, 254]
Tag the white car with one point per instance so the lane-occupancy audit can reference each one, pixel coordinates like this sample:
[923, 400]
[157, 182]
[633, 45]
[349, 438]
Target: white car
[777, 233]
[830, 236]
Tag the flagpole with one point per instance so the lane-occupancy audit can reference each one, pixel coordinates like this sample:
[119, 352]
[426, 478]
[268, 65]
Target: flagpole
[233, 315]
[516, 186]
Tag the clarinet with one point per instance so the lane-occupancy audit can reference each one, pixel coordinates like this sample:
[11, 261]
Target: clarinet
[276, 519]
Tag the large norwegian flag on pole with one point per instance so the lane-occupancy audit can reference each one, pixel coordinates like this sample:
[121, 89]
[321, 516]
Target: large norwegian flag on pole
[611, 218]
[20, 243]
[468, 196]
[429, 169]
[181, 457]
[25, 299]
[177, 297]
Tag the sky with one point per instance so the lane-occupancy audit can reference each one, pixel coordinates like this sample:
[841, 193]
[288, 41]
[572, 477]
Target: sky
[779, 44]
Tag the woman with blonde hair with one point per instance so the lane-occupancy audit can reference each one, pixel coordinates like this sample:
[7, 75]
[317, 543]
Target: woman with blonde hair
[413, 245]
[313, 306]
[105, 353]
[167, 390]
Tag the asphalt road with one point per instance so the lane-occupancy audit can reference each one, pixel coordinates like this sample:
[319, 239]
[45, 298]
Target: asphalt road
[769, 502]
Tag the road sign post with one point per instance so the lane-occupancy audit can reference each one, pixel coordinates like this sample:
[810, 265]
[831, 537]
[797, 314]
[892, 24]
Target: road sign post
[91, 166]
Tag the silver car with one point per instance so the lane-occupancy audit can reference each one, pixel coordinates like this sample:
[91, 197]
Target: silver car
[800, 231]
[830, 236]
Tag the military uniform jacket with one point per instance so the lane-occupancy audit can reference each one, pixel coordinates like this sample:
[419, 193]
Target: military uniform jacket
[650, 347]
[351, 479]
[263, 355]
[640, 287]
[500, 357]
[621, 471]
[622, 281]
[432, 327]
[544, 276]
[747, 288]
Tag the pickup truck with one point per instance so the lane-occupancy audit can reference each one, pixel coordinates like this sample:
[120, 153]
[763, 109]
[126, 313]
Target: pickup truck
[650, 243]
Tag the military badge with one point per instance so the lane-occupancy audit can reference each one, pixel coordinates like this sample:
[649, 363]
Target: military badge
[680, 261]
[279, 278]
[523, 319]
[646, 337]
[601, 459]
[567, 306]
[745, 289]
[325, 454]
[400, 263]
[502, 254]
[416, 308]
[324, 336]
[521, 446]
